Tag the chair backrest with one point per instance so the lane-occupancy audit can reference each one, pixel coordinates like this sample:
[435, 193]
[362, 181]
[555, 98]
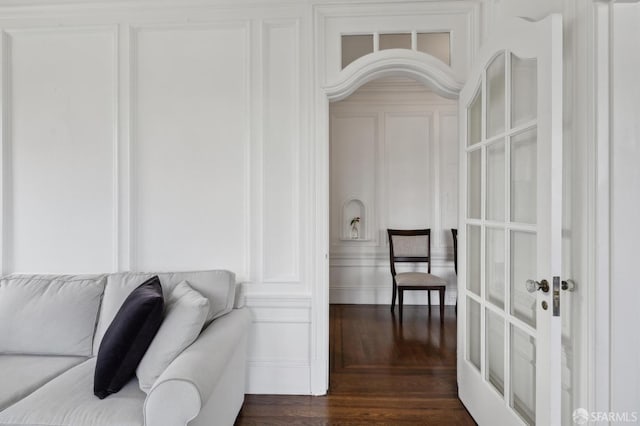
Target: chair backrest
[409, 245]
[454, 232]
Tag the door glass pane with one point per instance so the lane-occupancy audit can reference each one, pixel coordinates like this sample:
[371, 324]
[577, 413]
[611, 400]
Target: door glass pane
[473, 332]
[524, 90]
[394, 41]
[473, 259]
[474, 184]
[523, 374]
[495, 181]
[495, 96]
[355, 46]
[523, 177]
[495, 350]
[523, 268]
[474, 119]
[494, 269]
[435, 44]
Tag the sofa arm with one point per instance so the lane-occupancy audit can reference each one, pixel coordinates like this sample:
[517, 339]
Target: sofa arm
[183, 388]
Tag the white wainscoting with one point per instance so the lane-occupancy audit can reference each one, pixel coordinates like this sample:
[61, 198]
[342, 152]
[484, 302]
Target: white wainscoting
[278, 351]
[394, 149]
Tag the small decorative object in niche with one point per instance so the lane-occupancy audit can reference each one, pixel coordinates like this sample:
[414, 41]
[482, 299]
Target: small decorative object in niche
[355, 234]
[353, 221]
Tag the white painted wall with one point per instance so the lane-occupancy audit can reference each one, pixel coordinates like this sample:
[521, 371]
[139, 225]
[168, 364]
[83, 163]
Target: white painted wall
[625, 204]
[393, 147]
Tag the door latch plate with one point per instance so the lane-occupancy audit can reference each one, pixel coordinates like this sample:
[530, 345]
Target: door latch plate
[556, 296]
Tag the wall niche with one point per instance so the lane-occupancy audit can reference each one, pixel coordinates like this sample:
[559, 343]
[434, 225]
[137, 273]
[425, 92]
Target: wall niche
[354, 217]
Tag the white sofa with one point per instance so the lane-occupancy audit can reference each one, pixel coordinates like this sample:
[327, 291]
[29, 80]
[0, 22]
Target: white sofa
[45, 380]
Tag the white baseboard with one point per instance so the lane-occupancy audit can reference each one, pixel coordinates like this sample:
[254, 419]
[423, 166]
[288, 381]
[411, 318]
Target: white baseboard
[376, 295]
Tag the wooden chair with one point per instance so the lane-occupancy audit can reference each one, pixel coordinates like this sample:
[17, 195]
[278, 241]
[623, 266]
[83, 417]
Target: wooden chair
[413, 246]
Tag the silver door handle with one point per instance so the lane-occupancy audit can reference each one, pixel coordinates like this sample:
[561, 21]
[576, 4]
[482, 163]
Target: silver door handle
[568, 285]
[533, 285]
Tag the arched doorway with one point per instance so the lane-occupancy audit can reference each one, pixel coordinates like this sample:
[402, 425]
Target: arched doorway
[418, 66]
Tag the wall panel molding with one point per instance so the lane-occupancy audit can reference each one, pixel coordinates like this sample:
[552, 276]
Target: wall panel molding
[280, 166]
[71, 130]
[279, 351]
[5, 103]
[125, 61]
[178, 37]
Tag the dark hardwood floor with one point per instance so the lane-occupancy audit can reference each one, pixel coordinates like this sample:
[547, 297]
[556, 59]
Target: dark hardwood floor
[382, 373]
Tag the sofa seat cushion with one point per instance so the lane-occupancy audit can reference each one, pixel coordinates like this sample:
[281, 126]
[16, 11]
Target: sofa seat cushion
[68, 400]
[23, 374]
[218, 286]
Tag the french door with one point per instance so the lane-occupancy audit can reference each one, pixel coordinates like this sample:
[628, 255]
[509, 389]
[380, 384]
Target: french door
[510, 227]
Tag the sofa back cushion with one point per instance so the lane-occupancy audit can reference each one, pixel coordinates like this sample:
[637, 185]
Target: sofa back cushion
[49, 315]
[218, 286]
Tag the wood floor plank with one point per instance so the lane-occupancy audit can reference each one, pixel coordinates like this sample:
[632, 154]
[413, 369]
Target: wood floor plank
[382, 373]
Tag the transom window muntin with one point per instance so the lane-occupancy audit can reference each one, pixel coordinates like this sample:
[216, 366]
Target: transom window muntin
[436, 44]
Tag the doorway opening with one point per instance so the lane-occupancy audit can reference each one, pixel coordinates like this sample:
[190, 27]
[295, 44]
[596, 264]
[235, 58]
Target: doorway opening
[393, 163]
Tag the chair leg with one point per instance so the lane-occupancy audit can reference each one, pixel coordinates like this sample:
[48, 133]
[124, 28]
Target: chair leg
[393, 296]
[429, 297]
[400, 297]
[442, 304]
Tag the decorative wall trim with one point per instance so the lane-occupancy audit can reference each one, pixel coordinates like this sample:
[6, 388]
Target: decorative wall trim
[266, 27]
[5, 102]
[125, 62]
[135, 31]
[381, 259]
[283, 308]
[599, 335]
[419, 66]
[6, 111]
[335, 91]
[280, 375]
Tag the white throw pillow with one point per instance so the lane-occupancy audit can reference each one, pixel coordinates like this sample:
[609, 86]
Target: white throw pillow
[184, 316]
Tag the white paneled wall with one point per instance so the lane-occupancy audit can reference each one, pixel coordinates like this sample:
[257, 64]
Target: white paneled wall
[165, 139]
[172, 135]
[187, 107]
[281, 161]
[394, 148]
[59, 144]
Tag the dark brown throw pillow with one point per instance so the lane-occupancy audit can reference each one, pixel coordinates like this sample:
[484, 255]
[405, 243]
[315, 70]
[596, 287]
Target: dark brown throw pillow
[128, 337]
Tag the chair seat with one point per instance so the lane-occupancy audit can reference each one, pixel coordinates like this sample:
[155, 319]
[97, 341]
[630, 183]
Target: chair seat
[418, 279]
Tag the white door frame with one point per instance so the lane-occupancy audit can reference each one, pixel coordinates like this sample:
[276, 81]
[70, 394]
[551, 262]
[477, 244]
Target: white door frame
[393, 62]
